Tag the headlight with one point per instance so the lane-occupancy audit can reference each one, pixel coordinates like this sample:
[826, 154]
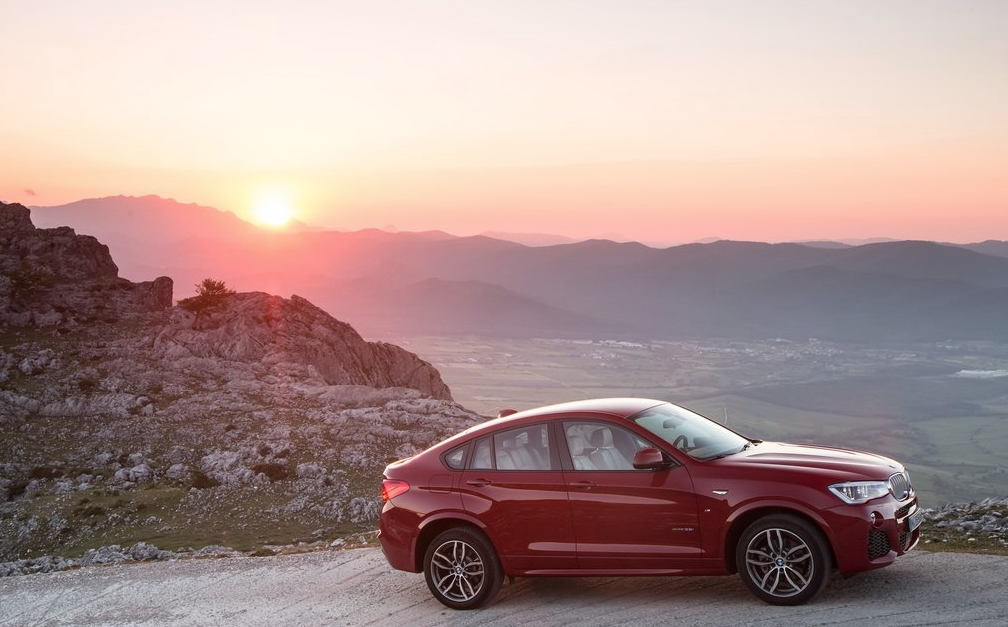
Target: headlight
[858, 492]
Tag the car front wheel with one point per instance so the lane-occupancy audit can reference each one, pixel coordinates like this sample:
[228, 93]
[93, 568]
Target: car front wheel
[783, 559]
[462, 569]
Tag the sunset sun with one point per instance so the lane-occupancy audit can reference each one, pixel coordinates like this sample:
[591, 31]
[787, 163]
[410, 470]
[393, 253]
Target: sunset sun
[273, 211]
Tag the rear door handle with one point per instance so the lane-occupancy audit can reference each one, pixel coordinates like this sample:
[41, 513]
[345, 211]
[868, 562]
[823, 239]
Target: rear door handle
[479, 483]
[582, 485]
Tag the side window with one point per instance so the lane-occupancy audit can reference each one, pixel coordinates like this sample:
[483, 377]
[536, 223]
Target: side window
[482, 460]
[525, 448]
[455, 458]
[601, 446]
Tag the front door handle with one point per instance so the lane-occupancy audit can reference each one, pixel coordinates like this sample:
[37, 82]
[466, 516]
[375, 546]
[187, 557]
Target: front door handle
[582, 485]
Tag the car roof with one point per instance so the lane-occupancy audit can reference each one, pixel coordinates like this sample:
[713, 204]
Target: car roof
[619, 407]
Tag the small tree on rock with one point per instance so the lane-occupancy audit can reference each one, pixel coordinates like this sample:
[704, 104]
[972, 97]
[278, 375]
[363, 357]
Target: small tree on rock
[211, 295]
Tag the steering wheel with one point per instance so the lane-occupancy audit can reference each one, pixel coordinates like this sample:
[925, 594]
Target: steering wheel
[681, 443]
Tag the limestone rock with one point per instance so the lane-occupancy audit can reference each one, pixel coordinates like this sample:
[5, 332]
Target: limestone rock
[57, 278]
[271, 412]
[15, 219]
[286, 333]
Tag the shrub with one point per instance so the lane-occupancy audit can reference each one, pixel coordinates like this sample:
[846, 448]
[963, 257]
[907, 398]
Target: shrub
[275, 472]
[90, 510]
[44, 472]
[211, 295]
[201, 481]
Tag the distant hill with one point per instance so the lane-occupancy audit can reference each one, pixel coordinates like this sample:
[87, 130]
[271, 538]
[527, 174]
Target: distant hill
[925, 260]
[989, 247]
[398, 283]
[442, 307]
[824, 244]
[530, 239]
[144, 233]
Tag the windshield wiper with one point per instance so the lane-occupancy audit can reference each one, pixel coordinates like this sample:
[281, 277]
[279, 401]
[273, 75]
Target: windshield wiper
[727, 453]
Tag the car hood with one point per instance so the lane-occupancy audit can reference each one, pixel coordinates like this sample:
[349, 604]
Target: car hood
[856, 465]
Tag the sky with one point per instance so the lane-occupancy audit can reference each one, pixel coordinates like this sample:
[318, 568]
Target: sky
[655, 120]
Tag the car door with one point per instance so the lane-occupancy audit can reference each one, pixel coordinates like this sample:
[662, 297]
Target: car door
[626, 519]
[515, 485]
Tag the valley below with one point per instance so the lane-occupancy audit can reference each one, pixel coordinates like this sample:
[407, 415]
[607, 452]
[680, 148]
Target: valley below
[940, 408]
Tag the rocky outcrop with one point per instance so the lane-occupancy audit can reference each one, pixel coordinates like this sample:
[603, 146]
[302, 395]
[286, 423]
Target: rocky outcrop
[106, 555]
[57, 278]
[281, 333]
[270, 420]
[58, 254]
[987, 517]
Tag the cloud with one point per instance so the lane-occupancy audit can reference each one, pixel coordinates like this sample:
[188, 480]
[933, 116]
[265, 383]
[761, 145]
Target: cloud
[30, 192]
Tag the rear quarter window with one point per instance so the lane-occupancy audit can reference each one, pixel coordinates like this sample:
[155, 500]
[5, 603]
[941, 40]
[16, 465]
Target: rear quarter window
[455, 458]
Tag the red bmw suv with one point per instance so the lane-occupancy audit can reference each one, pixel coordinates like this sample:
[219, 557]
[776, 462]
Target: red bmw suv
[639, 487]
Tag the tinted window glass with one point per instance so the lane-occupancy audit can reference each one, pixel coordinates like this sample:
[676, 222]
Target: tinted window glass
[601, 446]
[482, 459]
[689, 432]
[455, 458]
[526, 448]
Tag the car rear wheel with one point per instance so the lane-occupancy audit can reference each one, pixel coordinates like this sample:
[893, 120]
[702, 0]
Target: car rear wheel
[462, 569]
[783, 559]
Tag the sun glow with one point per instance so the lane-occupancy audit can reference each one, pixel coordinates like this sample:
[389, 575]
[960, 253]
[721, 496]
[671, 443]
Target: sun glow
[273, 210]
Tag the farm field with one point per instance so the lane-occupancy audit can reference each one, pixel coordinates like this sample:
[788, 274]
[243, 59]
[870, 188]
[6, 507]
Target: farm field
[942, 408]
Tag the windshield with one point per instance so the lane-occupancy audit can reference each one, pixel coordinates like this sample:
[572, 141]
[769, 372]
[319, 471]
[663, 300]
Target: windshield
[698, 437]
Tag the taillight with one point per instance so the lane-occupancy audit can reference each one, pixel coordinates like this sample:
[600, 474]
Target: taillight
[391, 488]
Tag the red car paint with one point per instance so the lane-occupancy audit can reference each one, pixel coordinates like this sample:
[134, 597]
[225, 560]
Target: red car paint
[567, 514]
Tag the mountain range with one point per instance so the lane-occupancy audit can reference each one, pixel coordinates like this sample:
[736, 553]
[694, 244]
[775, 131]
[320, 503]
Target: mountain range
[403, 283]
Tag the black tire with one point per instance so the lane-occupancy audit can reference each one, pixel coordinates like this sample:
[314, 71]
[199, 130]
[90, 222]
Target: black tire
[462, 569]
[783, 559]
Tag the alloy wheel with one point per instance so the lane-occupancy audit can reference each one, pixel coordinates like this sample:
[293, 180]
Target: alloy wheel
[457, 571]
[780, 562]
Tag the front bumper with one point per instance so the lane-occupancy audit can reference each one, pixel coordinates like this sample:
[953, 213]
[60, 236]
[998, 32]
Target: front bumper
[874, 534]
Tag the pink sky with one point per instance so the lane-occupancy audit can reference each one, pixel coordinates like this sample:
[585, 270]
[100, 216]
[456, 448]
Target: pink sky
[662, 121]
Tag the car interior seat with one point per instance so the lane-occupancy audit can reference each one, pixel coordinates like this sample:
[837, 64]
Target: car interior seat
[606, 456]
[577, 449]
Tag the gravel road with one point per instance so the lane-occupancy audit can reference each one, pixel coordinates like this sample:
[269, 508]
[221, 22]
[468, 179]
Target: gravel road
[357, 587]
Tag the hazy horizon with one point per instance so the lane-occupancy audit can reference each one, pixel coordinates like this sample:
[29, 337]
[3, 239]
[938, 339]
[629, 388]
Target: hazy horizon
[294, 225]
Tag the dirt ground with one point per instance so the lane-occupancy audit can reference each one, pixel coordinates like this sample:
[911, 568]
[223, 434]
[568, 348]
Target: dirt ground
[357, 587]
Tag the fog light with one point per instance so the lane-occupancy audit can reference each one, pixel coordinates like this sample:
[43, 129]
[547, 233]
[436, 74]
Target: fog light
[877, 519]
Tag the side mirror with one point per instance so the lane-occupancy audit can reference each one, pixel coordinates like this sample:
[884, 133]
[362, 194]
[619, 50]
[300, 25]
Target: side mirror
[649, 459]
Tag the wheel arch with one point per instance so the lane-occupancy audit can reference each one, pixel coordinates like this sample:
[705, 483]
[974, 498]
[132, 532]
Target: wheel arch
[435, 525]
[745, 517]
